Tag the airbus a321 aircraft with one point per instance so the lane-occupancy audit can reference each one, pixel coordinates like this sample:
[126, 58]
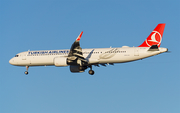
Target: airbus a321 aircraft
[80, 59]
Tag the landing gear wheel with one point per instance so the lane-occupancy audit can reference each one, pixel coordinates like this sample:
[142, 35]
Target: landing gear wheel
[91, 72]
[26, 72]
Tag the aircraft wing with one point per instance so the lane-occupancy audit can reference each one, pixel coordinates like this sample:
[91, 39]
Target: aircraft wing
[75, 56]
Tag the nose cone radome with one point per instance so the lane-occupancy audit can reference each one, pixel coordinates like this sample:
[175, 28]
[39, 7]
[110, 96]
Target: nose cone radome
[11, 61]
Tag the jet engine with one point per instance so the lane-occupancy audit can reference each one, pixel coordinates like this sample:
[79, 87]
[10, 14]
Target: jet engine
[60, 61]
[77, 68]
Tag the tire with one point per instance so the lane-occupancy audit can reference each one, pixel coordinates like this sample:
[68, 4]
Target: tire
[26, 72]
[91, 72]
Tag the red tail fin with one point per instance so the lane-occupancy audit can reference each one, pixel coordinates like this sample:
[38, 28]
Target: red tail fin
[155, 37]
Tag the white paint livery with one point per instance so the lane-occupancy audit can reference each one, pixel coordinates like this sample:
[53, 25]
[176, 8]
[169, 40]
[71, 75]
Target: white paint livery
[80, 59]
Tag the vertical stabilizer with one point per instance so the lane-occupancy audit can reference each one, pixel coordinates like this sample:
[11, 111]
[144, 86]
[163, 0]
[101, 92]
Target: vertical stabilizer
[155, 37]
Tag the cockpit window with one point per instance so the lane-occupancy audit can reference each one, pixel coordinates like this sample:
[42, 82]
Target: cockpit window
[16, 55]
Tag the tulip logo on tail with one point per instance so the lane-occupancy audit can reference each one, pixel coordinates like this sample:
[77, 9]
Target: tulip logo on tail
[154, 39]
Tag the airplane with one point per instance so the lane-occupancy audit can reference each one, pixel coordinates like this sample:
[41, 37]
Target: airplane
[79, 59]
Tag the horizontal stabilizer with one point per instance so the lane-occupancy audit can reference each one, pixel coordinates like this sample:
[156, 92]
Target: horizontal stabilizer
[154, 48]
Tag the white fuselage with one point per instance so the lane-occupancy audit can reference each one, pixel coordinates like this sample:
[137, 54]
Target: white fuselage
[93, 56]
[80, 59]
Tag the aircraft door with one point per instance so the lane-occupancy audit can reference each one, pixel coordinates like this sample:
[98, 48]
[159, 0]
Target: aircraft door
[24, 57]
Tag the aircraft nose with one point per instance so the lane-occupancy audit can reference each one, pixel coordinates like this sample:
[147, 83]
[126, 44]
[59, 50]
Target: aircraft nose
[11, 61]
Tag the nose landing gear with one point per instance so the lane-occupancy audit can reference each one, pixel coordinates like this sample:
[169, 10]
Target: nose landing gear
[26, 72]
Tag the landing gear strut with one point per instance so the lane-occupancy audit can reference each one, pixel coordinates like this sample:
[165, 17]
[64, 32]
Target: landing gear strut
[26, 72]
[91, 72]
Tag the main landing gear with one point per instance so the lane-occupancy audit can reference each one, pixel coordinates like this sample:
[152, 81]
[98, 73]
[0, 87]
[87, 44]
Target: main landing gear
[26, 72]
[91, 72]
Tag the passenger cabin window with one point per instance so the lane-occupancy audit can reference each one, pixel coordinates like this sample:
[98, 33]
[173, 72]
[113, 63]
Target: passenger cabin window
[16, 55]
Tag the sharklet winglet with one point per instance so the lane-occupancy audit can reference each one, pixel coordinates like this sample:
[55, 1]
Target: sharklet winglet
[79, 37]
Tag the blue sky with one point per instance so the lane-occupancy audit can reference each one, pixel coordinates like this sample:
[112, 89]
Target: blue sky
[147, 86]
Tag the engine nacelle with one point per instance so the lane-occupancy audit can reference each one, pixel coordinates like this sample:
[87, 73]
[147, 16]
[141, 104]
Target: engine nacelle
[76, 68]
[60, 61]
